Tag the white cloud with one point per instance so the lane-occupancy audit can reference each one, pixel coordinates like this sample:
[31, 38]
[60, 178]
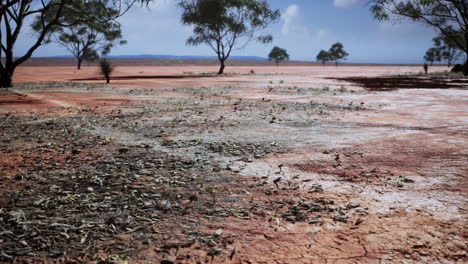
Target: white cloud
[292, 22]
[289, 17]
[345, 3]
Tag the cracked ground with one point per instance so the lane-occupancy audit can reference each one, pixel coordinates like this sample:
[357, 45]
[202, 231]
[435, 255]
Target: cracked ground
[288, 165]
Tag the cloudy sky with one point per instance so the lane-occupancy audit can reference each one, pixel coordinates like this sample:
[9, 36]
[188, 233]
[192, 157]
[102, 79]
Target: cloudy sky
[306, 27]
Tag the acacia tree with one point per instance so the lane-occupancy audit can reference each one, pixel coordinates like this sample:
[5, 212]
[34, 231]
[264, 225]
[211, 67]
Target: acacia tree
[86, 39]
[278, 55]
[337, 52]
[449, 51]
[323, 56]
[222, 24]
[433, 54]
[50, 15]
[442, 15]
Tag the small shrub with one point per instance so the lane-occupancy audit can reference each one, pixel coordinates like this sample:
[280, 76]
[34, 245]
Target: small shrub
[106, 69]
[457, 68]
[426, 67]
[252, 72]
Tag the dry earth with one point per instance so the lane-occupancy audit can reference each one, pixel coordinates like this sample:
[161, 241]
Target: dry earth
[289, 165]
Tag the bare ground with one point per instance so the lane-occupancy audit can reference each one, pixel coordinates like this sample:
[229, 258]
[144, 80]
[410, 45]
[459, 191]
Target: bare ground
[296, 165]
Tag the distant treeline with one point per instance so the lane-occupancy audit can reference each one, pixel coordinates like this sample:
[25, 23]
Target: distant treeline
[49, 61]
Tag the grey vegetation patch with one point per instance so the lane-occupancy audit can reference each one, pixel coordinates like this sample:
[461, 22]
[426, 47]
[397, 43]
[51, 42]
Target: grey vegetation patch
[241, 149]
[47, 86]
[230, 148]
[313, 91]
[441, 75]
[95, 194]
[86, 189]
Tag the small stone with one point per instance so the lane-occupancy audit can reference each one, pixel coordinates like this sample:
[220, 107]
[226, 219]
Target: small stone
[218, 232]
[315, 221]
[341, 218]
[353, 205]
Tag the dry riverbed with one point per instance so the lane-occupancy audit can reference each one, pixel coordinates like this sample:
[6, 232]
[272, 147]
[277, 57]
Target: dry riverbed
[302, 166]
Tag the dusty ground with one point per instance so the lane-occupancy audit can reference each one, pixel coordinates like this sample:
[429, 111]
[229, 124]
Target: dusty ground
[288, 165]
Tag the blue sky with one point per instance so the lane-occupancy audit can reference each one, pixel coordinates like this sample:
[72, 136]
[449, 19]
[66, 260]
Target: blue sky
[306, 27]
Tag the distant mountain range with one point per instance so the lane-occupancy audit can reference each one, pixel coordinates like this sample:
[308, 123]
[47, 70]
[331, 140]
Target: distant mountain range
[152, 56]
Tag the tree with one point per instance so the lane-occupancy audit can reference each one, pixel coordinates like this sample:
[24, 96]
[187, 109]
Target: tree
[337, 52]
[433, 54]
[221, 24]
[86, 39]
[442, 15]
[106, 69]
[278, 55]
[450, 52]
[323, 56]
[50, 14]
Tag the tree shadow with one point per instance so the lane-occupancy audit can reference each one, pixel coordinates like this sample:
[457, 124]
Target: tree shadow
[404, 82]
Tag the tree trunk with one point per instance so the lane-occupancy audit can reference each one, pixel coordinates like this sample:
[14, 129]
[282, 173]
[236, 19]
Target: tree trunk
[107, 79]
[336, 63]
[79, 65]
[465, 68]
[221, 68]
[6, 80]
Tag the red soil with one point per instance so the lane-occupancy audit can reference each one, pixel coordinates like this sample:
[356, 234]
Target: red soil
[395, 235]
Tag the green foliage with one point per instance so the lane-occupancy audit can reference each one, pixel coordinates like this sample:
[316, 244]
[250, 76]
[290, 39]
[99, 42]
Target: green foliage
[324, 56]
[433, 54]
[106, 69]
[335, 53]
[449, 51]
[278, 55]
[221, 24]
[86, 39]
[52, 15]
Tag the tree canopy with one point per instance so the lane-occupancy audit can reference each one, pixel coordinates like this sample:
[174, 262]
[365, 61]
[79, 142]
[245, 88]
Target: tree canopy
[278, 55]
[445, 16]
[337, 53]
[323, 56]
[432, 55]
[449, 51]
[222, 24]
[87, 39]
[50, 15]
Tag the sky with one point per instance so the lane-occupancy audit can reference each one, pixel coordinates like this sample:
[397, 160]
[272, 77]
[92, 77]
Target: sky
[305, 27]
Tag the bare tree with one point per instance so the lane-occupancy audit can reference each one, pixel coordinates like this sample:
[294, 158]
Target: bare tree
[50, 14]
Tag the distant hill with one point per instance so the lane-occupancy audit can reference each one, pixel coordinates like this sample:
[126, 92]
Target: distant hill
[155, 56]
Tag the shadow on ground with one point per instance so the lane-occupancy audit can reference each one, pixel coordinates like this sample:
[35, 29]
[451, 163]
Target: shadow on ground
[394, 83]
